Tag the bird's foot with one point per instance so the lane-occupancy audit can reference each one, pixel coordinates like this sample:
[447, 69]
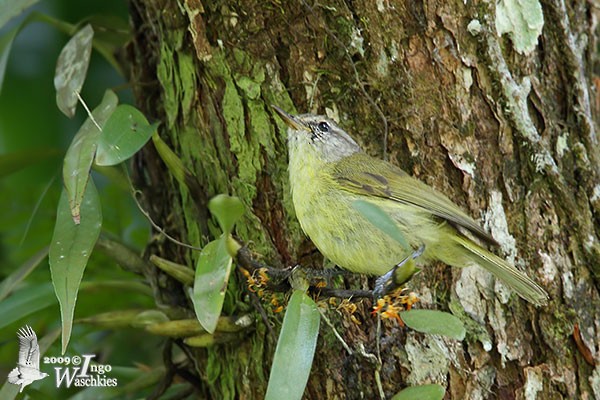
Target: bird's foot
[398, 275]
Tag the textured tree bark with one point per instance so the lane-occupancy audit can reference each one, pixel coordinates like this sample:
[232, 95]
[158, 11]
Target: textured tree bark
[504, 125]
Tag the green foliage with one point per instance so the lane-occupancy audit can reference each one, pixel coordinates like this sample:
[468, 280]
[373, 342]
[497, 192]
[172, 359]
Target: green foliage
[434, 322]
[295, 348]
[210, 283]
[214, 264]
[125, 132]
[421, 392]
[71, 247]
[81, 153]
[228, 210]
[71, 70]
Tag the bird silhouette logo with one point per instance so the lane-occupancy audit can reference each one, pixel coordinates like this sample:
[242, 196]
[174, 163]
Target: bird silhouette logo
[28, 366]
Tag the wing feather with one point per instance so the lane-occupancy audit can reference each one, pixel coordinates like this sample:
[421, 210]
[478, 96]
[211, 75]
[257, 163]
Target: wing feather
[362, 174]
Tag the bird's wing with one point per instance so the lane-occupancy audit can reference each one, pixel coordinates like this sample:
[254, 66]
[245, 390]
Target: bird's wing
[29, 350]
[362, 174]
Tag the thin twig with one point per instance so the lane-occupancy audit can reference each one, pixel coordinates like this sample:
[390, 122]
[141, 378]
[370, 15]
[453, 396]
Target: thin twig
[335, 332]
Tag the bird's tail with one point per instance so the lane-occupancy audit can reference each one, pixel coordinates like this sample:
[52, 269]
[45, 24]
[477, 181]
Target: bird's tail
[515, 279]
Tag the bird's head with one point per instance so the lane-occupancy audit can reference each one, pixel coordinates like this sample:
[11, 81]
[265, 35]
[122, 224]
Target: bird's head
[317, 134]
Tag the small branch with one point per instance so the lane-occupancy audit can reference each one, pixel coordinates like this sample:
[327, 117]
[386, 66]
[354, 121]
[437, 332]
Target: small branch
[123, 255]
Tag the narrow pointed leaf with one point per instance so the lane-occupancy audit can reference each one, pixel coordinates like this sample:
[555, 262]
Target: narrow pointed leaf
[17, 276]
[295, 349]
[125, 132]
[434, 322]
[25, 302]
[80, 155]
[70, 250]
[210, 283]
[227, 210]
[71, 69]
[421, 392]
[381, 220]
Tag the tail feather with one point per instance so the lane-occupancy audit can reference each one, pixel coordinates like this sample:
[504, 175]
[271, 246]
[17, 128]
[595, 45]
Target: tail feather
[510, 275]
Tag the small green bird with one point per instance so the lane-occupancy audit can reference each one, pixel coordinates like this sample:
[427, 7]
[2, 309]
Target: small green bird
[329, 172]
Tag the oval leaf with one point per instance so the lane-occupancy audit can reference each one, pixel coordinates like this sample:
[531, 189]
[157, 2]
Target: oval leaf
[434, 322]
[295, 349]
[125, 132]
[381, 220]
[70, 249]
[227, 210]
[79, 157]
[421, 392]
[210, 283]
[71, 69]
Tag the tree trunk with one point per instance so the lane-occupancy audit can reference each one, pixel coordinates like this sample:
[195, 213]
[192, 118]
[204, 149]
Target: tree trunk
[503, 125]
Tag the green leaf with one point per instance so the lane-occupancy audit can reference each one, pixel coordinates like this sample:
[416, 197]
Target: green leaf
[421, 392]
[381, 220]
[6, 42]
[70, 250]
[434, 322]
[13, 162]
[295, 349]
[12, 8]
[25, 302]
[210, 283]
[125, 132]
[71, 70]
[227, 210]
[173, 162]
[79, 157]
[17, 276]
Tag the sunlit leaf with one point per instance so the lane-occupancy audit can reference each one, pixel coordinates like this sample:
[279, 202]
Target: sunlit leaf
[210, 283]
[79, 157]
[421, 392]
[227, 210]
[17, 276]
[12, 8]
[71, 70]
[13, 162]
[434, 322]
[381, 220]
[295, 349]
[125, 132]
[70, 250]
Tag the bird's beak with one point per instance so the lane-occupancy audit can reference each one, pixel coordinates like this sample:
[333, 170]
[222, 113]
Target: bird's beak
[290, 120]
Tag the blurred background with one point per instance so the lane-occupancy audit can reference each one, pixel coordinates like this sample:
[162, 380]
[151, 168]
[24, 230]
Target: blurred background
[34, 136]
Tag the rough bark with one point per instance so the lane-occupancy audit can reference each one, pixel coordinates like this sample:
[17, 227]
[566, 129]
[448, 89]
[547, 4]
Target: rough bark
[508, 135]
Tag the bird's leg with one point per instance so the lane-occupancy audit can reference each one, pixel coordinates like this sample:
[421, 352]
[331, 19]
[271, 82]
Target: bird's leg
[398, 275]
[388, 289]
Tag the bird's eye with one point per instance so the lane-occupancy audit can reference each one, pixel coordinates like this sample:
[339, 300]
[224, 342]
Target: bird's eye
[323, 126]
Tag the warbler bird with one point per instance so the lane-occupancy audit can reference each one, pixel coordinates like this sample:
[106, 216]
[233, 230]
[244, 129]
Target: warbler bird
[329, 172]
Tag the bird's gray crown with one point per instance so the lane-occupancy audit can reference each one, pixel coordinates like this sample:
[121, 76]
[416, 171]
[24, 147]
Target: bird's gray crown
[328, 139]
